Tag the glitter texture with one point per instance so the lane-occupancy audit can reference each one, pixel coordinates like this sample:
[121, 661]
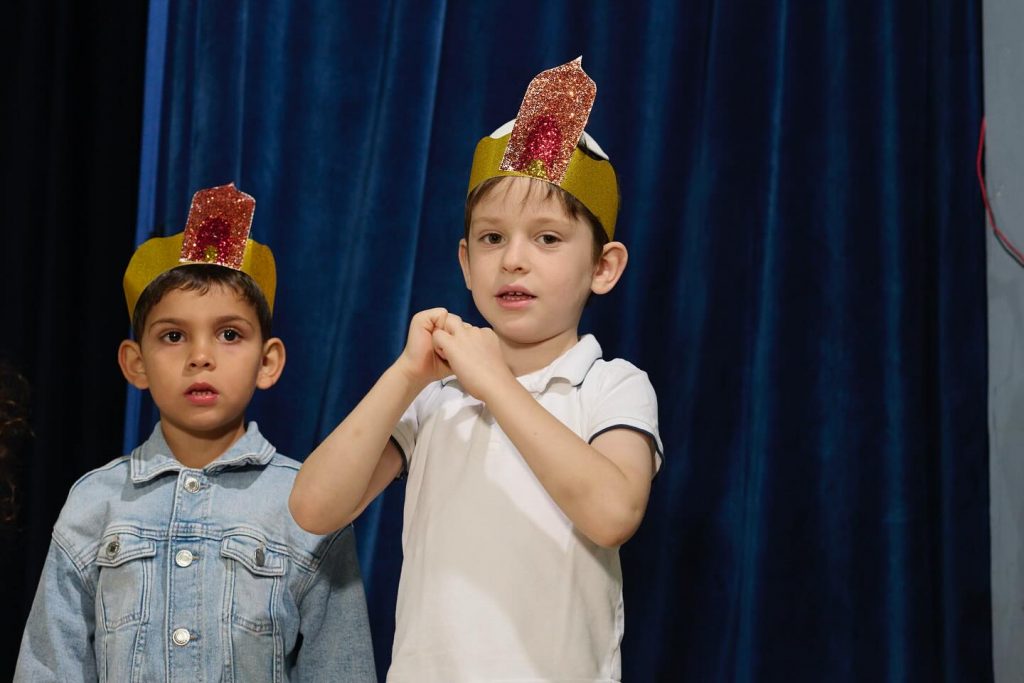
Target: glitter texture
[218, 227]
[551, 120]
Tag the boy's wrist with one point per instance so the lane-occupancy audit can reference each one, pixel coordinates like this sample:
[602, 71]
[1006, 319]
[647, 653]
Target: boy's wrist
[499, 386]
[403, 369]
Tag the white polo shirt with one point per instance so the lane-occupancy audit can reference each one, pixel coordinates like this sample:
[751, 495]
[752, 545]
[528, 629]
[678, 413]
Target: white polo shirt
[496, 583]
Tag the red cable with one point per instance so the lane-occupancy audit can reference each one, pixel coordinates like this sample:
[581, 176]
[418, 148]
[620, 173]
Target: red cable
[1003, 239]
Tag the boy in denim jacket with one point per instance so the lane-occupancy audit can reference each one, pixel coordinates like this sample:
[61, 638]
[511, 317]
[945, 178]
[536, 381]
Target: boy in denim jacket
[180, 561]
[528, 456]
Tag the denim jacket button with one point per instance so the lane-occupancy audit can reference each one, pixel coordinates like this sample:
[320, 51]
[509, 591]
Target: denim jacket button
[191, 484]
[183, 558]
[113, 548]
[181, 636]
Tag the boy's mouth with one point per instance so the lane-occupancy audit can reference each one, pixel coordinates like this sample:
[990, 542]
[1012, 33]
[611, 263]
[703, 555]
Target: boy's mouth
[201, 394]
[514, 295]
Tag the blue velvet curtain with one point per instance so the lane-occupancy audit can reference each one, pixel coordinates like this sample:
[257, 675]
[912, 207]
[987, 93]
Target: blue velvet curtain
[805, 287]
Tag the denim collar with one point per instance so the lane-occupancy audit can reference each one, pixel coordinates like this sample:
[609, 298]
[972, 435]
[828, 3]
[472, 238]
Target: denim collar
[153, 457]
[572, 367]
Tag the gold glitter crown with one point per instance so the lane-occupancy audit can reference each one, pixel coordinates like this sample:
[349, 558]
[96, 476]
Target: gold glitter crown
[547, 141]
[217, 233]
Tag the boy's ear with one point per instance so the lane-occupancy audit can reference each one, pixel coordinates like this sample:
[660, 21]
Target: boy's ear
[609, 267]
[464, 260]
[272, 363]
[129, 357]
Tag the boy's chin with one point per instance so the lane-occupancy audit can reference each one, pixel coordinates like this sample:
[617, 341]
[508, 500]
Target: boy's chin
[207, 429]
[524, 338]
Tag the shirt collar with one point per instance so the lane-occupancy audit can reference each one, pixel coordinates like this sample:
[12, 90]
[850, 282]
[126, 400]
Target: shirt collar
[572, 367]
[153, 457]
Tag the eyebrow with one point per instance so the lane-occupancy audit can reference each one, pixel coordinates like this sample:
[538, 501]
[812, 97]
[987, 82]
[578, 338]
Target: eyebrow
[485, 219]
[222, 320]
[539, 221]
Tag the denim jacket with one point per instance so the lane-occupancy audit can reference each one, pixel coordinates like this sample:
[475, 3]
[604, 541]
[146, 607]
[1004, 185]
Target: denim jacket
[159, 572]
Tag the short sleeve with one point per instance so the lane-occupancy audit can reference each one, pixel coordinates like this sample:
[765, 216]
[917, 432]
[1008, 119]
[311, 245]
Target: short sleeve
[405, 432]
[619, 395]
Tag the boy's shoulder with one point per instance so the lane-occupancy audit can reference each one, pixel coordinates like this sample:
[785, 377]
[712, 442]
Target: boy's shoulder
[614, 368]
[82, 519]
[615, 378]
[584, 366]
[92, 487]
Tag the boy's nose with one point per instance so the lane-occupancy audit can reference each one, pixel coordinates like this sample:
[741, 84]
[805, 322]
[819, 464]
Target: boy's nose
[200, 358]
[513, 257]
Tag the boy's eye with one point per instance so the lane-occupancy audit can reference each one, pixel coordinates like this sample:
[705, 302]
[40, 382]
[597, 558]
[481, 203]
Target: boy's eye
[491, 238]
[173, 336]
[549, 239]
[230, 335]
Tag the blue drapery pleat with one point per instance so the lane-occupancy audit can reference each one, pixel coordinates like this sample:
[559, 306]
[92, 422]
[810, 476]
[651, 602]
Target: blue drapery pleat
[805, 288]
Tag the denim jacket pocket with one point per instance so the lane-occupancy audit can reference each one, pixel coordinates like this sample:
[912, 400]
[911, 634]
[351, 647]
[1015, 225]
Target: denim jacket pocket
[255, 580]
[125, 562]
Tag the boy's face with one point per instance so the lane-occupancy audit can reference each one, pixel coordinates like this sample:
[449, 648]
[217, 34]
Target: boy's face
[201, 357]
[529, 265]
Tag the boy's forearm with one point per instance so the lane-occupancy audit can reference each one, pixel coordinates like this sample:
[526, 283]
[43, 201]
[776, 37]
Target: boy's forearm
[333, 480]
[604, 502]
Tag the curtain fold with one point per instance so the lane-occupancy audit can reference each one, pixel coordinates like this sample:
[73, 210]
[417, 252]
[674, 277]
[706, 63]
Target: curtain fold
[805, 287]
[69, 161]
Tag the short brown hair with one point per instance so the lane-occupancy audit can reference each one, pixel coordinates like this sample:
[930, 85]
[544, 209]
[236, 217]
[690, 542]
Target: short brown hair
[573, 207]
[199, 277]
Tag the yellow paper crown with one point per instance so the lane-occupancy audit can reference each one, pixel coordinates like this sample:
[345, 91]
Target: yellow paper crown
[217, 233]
[547, 141]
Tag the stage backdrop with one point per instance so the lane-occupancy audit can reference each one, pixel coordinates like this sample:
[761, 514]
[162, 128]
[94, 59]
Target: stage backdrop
[806, 285]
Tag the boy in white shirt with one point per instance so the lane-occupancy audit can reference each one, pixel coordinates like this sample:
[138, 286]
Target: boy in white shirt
[529, 459]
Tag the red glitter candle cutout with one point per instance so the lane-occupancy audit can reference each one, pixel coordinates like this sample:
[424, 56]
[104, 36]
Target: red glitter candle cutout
[551, 120]
[218, 227]
[541, 149]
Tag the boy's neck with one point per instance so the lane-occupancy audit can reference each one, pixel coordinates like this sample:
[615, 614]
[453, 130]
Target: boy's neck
[522, 359]
[196, 451]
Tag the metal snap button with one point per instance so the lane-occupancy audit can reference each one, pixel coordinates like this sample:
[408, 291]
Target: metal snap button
[183, 558]
[113, 548]
[261, 556]
[191, 484]
[181, 636]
